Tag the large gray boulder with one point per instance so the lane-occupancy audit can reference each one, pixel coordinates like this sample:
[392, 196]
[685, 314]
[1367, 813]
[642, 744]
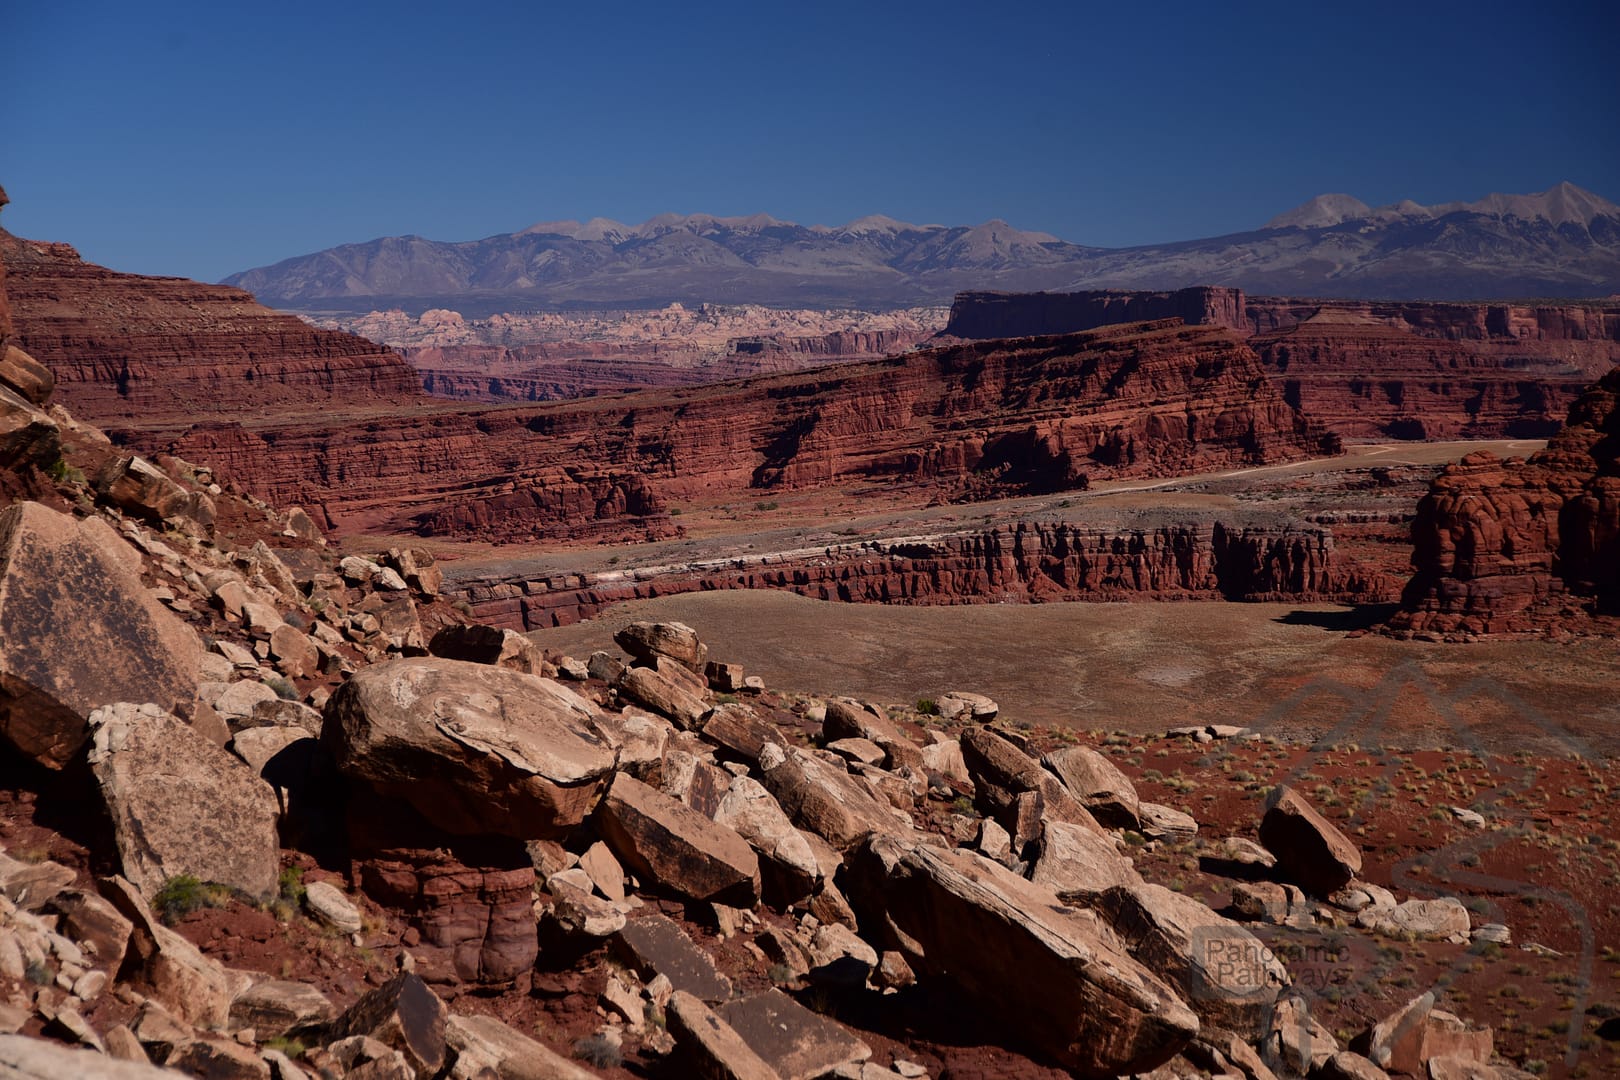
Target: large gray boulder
[473, 747]
[181, 805]
[79, 631]
[1056, 976]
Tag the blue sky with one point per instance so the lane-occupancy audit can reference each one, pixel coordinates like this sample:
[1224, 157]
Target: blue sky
[202, 139]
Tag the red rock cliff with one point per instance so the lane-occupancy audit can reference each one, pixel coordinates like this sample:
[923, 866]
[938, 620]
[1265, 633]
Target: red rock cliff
[1366, 369]
[971, 421]
[126, 347]
[1525, 545]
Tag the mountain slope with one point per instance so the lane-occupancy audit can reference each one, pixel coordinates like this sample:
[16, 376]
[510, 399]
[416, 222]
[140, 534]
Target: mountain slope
[1561, 242]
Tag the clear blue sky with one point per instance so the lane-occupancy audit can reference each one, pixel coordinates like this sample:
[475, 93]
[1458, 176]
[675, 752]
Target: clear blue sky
[201, 139]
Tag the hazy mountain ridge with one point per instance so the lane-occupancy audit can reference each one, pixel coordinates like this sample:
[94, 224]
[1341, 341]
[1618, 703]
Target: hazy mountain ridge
[1561, 242]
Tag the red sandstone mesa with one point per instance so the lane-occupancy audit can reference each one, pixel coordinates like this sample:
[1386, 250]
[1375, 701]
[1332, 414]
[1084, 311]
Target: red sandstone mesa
[1524, 545]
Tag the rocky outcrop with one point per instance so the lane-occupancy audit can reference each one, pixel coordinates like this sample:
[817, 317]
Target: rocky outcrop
[124, 347]
[1364, 369]
[1524, 544]
[1024, 562]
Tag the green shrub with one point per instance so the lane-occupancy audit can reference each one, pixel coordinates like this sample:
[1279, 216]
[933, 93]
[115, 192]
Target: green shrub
[927, 706]
[600, 1051]
[184, 893]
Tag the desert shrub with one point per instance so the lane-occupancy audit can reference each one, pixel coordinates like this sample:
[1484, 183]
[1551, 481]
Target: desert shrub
[184, 893]
[63, 473]
[284, 690]
[600, 1051]
[927, 706]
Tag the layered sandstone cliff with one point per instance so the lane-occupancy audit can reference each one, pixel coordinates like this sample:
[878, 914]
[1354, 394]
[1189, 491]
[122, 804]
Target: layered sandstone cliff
[125, 347]
[1019, 562]
[971, 421]
[1525, 545]
[1366, 369]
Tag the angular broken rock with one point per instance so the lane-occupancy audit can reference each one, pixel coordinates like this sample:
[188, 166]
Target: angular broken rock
[1077, 864]
[475, 749]
[712, 1048]
[488, 645]
[963, 705]
[1310, 851]
[483, 1042]
[668, 842]
[1002, 774]
[655, 945]
[219, 825]
[102, 933]
[738, 728]
[653, 690]
[1166, 823]
[26, 1058]
[32, 885]
[1228, 976]
[577, 912]
[824, 799]
[847, 719]
[171, 970]
[78, 631]
[797, 1043]
[1433, 920]
[647, 641]
[274, 1007]
[404, 1015]
[789, 868]
[1054, 975]
[1098, 784]
[1406, 1040]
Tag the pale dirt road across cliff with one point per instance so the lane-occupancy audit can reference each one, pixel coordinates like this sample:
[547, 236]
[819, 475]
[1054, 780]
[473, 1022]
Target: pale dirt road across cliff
[759, 522]
[1147, 666]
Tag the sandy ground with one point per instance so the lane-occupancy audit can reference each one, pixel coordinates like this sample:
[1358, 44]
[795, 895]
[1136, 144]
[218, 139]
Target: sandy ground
[1294, 669]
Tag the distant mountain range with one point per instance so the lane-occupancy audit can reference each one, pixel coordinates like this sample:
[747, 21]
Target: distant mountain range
[1564, 242]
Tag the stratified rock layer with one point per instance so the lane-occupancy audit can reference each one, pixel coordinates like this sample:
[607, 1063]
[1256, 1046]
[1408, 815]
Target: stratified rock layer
[1365, 369]
[969, 421]
[127, 347]
[1524, 545]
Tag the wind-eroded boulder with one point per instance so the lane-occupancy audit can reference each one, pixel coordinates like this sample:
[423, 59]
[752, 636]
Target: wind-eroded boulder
[474, 748]
[1098, 784]
[78, 631]
[1055, 975]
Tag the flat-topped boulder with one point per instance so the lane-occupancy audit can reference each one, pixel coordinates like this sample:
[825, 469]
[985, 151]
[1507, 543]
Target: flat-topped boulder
[474, 748]
[79, 631]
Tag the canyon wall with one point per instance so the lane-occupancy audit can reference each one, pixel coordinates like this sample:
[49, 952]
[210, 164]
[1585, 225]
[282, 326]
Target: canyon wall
[1366, 369]
[972, 421]
[126, 347]
[557, 370]
[1022, 562]
[980, 315]
[1522, 545]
